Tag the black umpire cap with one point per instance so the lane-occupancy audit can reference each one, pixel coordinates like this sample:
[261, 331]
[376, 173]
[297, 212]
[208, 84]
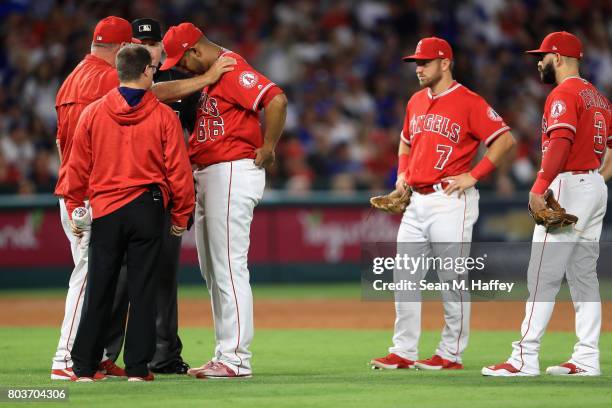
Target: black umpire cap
[146, 29]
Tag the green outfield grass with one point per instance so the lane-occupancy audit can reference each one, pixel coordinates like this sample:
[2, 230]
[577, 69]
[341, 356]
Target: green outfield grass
[320, 368]
[268, 291]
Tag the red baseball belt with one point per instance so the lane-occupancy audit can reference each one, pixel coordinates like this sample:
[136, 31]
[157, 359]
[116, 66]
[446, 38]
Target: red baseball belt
[581, 171]
[432, 188]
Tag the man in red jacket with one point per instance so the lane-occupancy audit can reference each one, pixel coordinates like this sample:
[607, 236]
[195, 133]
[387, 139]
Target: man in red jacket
[129, 157]
[93, 77]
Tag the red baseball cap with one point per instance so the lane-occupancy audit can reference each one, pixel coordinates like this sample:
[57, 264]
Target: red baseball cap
[177, 40]
[431, 48]
[560, 42]
[113, 30]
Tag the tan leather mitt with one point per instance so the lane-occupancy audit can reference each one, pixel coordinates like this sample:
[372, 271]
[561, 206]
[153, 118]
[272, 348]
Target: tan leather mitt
[394, 202]
[553, 216]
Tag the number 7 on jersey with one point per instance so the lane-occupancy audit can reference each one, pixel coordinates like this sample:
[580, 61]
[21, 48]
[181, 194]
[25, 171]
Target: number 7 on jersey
[445, 152]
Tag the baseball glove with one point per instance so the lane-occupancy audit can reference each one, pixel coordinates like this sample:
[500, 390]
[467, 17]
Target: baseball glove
[394, 202]
[553, 216]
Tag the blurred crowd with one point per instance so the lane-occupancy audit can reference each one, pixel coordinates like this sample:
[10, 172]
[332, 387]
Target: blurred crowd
[338, 61]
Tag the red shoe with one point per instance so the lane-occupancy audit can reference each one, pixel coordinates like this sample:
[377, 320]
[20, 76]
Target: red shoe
[109, 368]
[219, 370]
[571, 369]
[148, 377]
[503, 370]
[98, 376]
[437, 363]
[62, 374]
[391, 362]
[195, 370]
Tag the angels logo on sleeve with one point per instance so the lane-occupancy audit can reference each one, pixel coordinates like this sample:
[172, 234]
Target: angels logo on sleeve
[248, 79]
[493, 115]
[557, 108]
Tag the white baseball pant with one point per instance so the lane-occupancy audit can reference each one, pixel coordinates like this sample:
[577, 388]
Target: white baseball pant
[571, 252]
[436, 218]
[76, 292]
[227, 194]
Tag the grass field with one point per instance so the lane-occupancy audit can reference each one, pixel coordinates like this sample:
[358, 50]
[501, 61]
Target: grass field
[313, 368]
[267, 291]
[320, 368]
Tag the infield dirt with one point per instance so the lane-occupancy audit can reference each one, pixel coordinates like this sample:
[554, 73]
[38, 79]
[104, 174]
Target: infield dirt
[311, 314]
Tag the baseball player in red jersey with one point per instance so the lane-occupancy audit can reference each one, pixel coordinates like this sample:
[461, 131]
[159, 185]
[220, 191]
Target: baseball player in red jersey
[93, 78]
[444, 125]
[575, 132]
[228, 150]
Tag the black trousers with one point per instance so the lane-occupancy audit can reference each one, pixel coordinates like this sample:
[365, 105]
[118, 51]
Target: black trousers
[168, 343]
[135, 231]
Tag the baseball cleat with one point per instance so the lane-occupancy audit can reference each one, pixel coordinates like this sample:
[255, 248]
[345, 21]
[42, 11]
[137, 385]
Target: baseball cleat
[110, 369]
[175, 367]
[218, 370]
[437, 363]
[503, 370]
[193, 371]
[391, 362]
[570, 369]
[62, 374]
[98, 376]
[148, 377]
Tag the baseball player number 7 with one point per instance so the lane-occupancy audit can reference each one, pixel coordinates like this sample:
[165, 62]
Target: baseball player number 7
[445, 152]
[600, 133]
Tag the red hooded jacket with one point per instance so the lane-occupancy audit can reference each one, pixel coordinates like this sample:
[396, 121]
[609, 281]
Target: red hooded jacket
[119, 150]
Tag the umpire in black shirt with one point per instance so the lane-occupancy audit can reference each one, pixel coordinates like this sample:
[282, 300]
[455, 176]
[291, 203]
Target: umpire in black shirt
[148, 31]
[167, 359]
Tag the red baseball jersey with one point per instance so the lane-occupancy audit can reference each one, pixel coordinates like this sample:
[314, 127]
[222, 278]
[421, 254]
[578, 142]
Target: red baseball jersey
[89, 81]
[227, 125]
[576, 105]
[444, 132]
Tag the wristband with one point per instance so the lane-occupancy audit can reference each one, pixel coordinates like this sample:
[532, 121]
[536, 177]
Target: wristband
[483, 168]
[540, 186]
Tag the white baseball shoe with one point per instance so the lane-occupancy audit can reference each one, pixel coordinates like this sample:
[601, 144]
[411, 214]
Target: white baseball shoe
[571, 369]
[504, 370]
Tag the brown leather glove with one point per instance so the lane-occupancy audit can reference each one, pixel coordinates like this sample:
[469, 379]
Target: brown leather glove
[394, 202]
[554, 216]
